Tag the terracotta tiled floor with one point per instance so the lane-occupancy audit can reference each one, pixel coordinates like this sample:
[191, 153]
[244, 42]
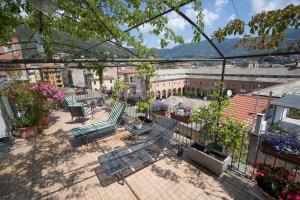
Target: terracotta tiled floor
[55, 166]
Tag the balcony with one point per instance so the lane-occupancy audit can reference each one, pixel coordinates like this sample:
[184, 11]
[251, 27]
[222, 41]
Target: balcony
[56, 165]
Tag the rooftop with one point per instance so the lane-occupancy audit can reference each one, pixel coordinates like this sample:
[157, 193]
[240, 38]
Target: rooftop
[243, 108]
[292, 87]
[283, 74]
[54, 166]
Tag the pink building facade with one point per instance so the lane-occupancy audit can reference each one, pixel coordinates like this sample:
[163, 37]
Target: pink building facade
[203, 87]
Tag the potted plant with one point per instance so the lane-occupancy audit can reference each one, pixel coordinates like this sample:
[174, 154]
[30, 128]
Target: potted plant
[144, 108]
[25, 126]
[137, 123]
[160, 108]
[292, 191]
[132, 99]
[122, 96]
[221, 136]
[52, 98]
[28, 106]
[281, 145]
[275, 183]
[182, 113]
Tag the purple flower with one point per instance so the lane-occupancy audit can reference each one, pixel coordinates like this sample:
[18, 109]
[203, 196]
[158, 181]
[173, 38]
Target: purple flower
[282, 142]
[159, 106]
[122, 95]
[183, 110]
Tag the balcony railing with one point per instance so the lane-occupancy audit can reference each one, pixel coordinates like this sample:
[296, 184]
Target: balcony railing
[249, 150]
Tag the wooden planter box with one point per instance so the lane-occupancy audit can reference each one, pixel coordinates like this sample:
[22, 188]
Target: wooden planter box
[181, 118]
[267, 149]
[28, 132]
[217, 164]
[163, 113]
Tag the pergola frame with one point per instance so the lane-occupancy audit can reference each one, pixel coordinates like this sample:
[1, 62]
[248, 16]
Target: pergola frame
[221, 57]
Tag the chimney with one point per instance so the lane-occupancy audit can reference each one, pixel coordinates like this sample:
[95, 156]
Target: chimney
[260, 124]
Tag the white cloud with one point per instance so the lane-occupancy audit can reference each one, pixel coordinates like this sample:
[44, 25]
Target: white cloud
[220, 3]
[209, 17]
[176, 22]
[146, 28]
[266, 5]
[231, 17]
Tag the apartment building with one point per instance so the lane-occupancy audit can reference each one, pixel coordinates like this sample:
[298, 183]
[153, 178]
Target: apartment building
[202, 80]
[12, 51]
[52, 76]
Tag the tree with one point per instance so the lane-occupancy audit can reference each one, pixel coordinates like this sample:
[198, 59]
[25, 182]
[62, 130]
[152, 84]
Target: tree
[266, 29]
[90, 19]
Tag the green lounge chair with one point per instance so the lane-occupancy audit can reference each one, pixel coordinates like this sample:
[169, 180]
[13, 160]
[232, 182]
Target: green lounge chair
[136, 155]
[77, 109]
[110, 124]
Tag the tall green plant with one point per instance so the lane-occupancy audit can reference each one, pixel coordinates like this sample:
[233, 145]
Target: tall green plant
[117, 89]
[222, 131]
[146, 71]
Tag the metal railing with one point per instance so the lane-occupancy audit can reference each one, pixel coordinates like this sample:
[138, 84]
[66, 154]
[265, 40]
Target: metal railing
[243, 157]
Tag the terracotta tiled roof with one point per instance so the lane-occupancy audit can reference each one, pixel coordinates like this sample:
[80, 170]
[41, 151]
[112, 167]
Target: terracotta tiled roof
[243, 108]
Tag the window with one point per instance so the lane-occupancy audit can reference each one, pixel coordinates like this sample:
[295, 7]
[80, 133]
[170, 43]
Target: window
[94, 82]
[157, 85]
[8, 48]
[110, 81]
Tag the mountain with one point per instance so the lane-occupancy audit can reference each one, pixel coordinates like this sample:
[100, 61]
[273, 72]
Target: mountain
[204, 49]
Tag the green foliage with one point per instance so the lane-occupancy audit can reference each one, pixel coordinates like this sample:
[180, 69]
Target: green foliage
[90, 19]
[146, 71]
[30, 103]
[269, 26]
[227, 133]
[117, 89]
[231, 135]
[275, 128]
[22, 122]
[144, 105]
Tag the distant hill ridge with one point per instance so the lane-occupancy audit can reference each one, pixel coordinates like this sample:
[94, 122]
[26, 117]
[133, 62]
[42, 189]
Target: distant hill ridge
[204, 49]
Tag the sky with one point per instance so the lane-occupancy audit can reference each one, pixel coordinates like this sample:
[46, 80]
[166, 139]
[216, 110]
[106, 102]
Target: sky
[216, 14]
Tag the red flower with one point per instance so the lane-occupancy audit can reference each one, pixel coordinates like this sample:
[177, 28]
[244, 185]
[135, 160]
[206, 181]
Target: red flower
[277, 178]
[297, 196]
[259, 173]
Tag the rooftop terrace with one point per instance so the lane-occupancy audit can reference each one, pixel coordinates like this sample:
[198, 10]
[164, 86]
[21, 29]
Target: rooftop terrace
[54, 165]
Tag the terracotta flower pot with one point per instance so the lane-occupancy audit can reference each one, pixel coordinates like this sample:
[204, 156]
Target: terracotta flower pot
[180, 118]
[163, 113]
[28, 132]
[45, 120]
